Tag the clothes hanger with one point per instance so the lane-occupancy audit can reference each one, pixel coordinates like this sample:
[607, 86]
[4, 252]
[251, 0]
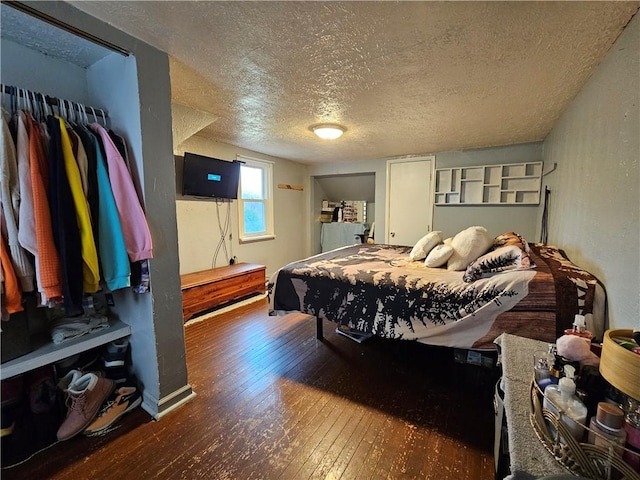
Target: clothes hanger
[46, 109]
[12, 100]
[104, 118]
[32, 105]
[83, 113]
[93, 112]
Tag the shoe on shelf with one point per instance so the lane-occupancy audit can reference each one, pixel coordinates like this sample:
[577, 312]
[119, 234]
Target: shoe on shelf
[122, 400]
[85, 395]
[115, 353]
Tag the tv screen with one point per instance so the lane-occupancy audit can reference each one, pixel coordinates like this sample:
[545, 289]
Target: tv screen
[209, 177]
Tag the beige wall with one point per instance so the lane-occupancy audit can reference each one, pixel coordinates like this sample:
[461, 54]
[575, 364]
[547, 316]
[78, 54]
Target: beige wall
[595, 201]
[198, 230]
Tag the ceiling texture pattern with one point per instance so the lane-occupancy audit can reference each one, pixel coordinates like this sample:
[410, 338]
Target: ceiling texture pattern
[402, 77]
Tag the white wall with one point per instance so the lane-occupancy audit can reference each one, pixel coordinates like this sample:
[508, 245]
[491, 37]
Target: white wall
[69, 82]
[595, 200]
[198, 231]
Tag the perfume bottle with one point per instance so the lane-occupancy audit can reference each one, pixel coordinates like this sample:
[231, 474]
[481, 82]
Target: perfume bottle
[580, 329]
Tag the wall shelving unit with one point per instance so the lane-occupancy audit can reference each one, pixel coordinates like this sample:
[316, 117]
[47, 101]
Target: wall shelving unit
[507, 184]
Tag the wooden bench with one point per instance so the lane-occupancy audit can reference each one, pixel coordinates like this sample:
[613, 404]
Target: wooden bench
[212, 288]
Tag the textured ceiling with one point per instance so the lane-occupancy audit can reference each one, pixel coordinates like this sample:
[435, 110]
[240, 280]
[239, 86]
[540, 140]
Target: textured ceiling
[42, 37]
[402, 77]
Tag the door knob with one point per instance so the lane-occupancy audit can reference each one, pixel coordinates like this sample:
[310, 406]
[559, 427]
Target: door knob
[393, 234]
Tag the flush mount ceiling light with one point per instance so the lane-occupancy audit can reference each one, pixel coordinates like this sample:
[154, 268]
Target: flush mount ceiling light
[328, 131]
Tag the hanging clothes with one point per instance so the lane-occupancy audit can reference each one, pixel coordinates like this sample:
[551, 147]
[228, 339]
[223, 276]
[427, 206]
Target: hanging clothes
[121, 145]
[10, 202]
[80, 154]
[86, 137]
[134, 223]
[47, 258]
[26, 224]
[12, 301]
[63, 220]
[113, 251]
[90, 272]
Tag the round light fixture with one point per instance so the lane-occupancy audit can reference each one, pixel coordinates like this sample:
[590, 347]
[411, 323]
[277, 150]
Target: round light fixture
[328, 131]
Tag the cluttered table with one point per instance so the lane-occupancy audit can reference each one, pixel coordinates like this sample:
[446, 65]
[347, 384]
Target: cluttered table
[529, 459]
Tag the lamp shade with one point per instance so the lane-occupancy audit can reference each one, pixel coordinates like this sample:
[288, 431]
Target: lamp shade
[619, 366]
[328, 131]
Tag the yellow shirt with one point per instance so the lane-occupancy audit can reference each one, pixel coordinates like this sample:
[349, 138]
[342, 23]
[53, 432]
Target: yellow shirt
[90, 271]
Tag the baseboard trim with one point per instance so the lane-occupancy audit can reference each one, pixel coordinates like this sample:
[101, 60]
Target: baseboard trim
[159, 408]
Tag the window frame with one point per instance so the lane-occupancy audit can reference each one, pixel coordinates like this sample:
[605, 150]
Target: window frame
[266, 167]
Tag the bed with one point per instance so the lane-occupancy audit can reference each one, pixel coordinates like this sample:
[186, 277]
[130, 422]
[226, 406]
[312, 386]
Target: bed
[377, 289]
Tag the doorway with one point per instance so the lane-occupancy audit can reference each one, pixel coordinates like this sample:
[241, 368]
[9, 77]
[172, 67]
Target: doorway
[409, 199]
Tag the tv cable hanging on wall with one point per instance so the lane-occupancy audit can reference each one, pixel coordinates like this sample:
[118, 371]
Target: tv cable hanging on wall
[224, 230]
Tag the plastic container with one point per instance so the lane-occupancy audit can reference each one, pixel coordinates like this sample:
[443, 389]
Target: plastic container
[580, 329]
[606, 427]
[562, 398]
[542, 362]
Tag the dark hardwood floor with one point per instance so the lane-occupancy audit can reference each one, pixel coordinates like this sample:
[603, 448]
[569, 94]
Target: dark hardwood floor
[275, 403]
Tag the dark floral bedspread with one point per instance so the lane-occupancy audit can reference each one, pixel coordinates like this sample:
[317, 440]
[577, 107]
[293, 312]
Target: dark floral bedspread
[376, 289]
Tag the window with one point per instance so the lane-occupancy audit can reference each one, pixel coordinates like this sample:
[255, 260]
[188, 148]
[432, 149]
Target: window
[255, 202]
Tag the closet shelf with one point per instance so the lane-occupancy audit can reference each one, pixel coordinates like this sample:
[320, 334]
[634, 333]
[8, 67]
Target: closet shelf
[46, 352]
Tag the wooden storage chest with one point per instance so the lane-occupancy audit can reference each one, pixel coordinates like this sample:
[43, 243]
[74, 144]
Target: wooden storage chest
[212, 288]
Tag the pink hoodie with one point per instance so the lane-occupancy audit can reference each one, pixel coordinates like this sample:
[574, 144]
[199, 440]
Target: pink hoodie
[137, 237]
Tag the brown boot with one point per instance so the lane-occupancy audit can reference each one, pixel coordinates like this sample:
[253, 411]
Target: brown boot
[85, 395]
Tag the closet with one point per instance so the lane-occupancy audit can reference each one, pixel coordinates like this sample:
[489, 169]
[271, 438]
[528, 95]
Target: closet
[55, 49]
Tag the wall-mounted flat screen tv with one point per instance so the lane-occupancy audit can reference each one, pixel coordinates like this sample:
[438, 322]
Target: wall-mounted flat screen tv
[209, 177]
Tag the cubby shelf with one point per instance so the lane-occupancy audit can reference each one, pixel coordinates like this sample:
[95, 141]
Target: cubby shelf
[507, 184]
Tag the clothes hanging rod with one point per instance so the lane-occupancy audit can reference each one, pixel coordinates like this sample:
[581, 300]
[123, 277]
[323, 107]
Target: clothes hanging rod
[54, 101]
[64, 26]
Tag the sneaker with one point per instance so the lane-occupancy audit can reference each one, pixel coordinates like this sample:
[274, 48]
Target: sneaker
[115, 353]
[123, 400]
[85, 394]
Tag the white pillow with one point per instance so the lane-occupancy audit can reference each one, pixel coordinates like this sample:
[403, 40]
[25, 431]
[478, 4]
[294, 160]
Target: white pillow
[468, 245]
[438, 256]
[424, 245]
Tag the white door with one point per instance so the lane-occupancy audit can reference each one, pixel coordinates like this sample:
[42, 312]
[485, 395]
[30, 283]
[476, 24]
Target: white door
[409, 200]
